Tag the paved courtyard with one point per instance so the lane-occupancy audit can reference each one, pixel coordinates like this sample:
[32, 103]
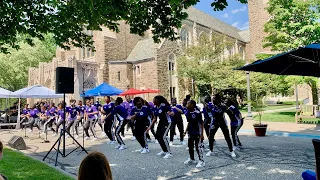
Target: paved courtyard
[267, 158]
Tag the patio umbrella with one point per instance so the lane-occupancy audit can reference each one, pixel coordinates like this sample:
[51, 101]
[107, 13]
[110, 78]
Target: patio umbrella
[131, 92]
[103, 89]
[304, 61]
[148, 90]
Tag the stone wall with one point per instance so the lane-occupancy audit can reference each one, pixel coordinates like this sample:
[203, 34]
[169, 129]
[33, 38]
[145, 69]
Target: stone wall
[125, 75]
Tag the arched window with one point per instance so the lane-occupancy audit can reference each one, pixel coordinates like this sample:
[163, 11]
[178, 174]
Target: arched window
[203, 38]
[172, 61]
[184, 37]
[241, 51]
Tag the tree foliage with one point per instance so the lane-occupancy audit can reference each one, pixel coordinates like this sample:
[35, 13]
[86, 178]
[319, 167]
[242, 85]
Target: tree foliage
[293, 23]
[14, 66]
[67, 19]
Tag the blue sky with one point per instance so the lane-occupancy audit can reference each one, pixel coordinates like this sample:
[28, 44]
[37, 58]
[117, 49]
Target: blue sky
[236, 14]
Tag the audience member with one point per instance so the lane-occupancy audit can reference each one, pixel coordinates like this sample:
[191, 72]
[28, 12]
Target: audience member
[95, 166]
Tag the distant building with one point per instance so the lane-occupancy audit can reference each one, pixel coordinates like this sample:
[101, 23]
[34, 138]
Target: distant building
[126, 60]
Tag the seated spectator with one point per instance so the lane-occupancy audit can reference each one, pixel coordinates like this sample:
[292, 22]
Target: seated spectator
[2, 177]
[95, 166]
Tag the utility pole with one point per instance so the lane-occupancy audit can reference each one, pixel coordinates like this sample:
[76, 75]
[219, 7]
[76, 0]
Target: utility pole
[249, 116]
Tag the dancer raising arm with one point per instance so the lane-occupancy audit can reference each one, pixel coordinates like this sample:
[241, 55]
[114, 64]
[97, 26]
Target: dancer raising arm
[163, 112]
[195, 133]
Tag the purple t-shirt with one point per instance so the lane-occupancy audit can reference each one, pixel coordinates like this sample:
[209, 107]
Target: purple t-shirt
[128, 106]
[25, 111]
[81, 109]
[91, 109]
[61, 114]
[73, 111]
[34, 113]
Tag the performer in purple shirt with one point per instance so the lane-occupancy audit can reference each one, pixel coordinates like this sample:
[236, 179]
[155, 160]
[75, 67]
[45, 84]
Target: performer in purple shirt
[120, 114]
[236, 122]
[61, 117]
[163, 112]
[108, 119]
[90, 119]
[98, 116]
[72, 112]
[139, 115]
[176, 121]
[34, 118]
[24, 115]
[51, 115]
[128, 105]
[81, 109]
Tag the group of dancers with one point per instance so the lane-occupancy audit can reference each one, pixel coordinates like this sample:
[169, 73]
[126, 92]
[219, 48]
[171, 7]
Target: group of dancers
[142, 116]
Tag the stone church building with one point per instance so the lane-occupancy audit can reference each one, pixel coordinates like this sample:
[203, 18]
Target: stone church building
[126, 60]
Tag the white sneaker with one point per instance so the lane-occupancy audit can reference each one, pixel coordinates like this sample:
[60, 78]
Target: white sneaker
[171, 143]
[167, 156]
[182, 143]
[94, 139]
[43, 133]
[122, 147]
[187, 148]
[161, 153]
[133, 138]
[189, 161]
[157, 142]
[113, 142]
[76, 137]
[87, 138]
[200, 164]
[210, 153]
[207, 150]
[30, 131]
[233, 155]
[55, 134]
[144, 151]
[118, 146]
[67, 136]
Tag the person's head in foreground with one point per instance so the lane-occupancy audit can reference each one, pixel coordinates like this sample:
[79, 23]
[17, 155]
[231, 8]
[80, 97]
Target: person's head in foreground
[1, 150]
[95, 166]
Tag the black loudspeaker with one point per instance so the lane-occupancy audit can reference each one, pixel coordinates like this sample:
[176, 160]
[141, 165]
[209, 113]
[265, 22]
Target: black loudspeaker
[17, 142]
[64, 80]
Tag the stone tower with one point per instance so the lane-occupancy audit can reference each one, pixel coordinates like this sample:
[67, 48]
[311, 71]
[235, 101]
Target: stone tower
[258, 16]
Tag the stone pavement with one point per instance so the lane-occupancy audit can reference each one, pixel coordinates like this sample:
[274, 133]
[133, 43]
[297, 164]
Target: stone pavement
[262, 158]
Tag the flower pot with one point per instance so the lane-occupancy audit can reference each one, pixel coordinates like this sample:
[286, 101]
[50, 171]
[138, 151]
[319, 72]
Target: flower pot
[260, 129]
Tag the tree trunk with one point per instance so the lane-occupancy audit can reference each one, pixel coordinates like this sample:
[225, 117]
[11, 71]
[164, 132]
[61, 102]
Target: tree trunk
[314, 90]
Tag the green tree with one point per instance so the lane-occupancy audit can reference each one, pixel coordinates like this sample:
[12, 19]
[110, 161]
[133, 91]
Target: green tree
[293, 23]
[67, 19]
[14, 66]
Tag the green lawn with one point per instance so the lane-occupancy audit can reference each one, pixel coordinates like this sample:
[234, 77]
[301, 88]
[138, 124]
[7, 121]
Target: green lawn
[286, 116]
[270, 107]
[15, 165]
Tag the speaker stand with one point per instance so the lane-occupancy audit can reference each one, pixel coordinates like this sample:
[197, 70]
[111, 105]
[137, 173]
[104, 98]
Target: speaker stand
[62, 138]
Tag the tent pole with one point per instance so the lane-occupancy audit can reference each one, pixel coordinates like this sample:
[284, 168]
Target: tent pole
[18, 119]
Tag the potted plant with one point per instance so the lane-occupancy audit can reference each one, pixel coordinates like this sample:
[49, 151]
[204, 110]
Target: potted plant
[259, 128]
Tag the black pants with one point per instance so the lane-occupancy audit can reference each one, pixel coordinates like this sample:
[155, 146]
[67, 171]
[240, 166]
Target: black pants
[108, 128]
[120, 126]
[220, 123]
[195, 141]
[34, 122]
[131, 124]
[161, 136]
[140, 132]
[173, 129]
[234, 134]
[151, 129]
[23, 120]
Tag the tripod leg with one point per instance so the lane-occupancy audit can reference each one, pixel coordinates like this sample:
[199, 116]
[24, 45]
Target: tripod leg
[58, 150]
[83, 149]
[58, 140]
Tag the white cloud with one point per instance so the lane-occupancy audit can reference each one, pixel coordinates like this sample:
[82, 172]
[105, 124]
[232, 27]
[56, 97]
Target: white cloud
[244, 26]
[243, 8]
[235, 24]
[225, 15]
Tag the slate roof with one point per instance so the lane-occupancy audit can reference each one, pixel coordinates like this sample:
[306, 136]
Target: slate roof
[144, 49]
[245, 35]
[214, 23]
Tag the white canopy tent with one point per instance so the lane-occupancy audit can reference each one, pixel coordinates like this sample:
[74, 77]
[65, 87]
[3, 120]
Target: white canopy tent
[4, 93]
[36, 91]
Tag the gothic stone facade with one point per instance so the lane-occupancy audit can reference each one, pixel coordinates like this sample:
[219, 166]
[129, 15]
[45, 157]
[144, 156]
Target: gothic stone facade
[125, 60]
